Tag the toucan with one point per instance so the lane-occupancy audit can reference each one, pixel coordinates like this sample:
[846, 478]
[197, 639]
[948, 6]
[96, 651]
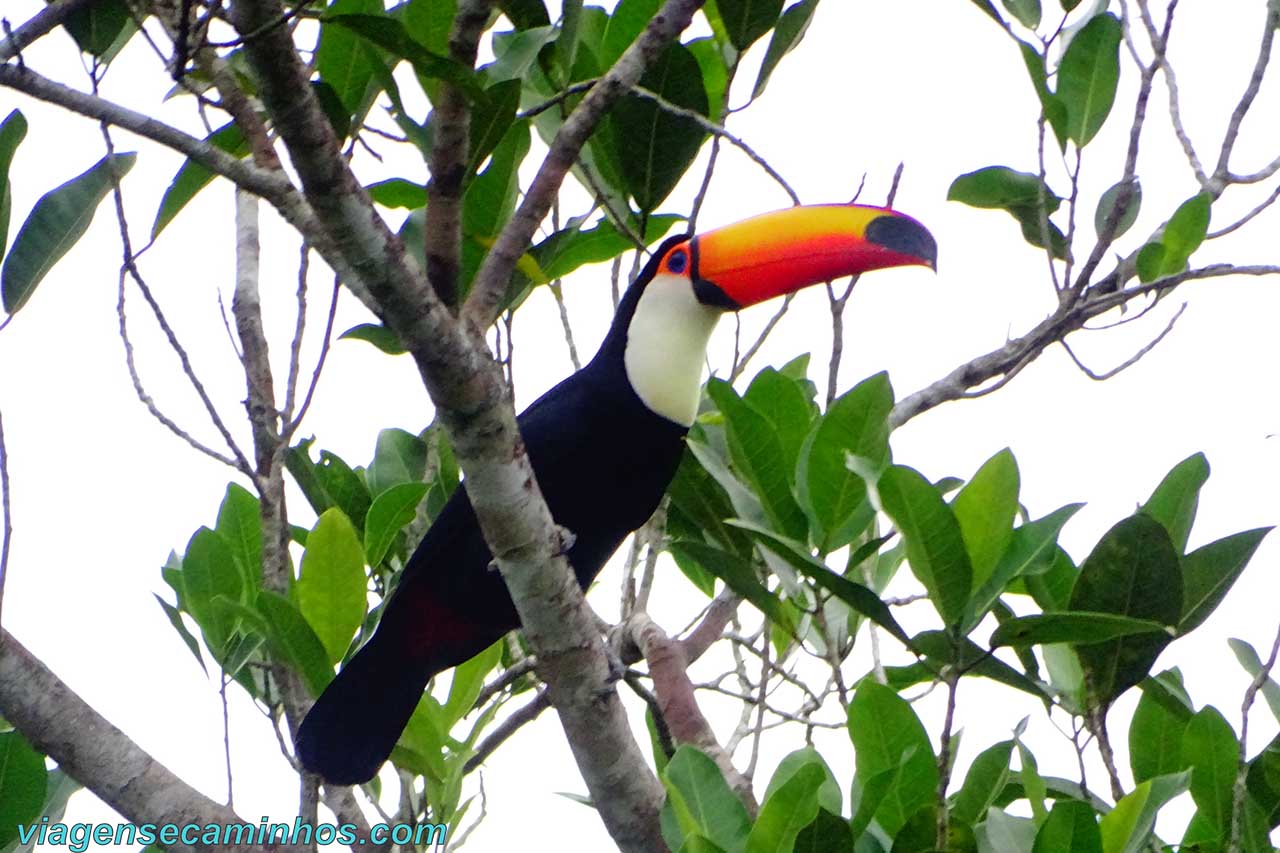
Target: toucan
[604, 445]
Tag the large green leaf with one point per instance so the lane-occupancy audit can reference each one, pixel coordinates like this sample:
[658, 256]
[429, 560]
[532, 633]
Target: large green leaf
[429, 22]
[889, 737]
[703, 802]
[1088, 76]
[789, 808]
[1209, 572]
[1072, 827]
[1155, 736]
[572, 247]
[344, 59]
[210, 571]
[1019, 193]
[985, 509]
[193, 176]
[389, 513]
[747, 20]
[786, 35]
[1031, 550]
[23, 781]
[623, 25]
[294, 641]
[491, 118]
[757, 453]
[1072, 627]
[392, 36]
[1210, 747]
[1127, 827]
[1263, 782]
[240, 526]
[1174, 501]
[97, 26]
[12, 132]
[984, 781]
[399, 457]
[829, 795]
[833, 496]
[782, 401]
[1133, 571]
[331, 583]
[516, 53]
[826, 833]
[654, 146]
[58, 220]
[490, 198]
[935, 546]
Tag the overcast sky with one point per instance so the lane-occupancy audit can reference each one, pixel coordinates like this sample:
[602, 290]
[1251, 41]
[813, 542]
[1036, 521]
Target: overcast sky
[102, 492]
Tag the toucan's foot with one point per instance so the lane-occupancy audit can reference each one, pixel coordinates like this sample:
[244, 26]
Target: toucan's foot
[565, 539]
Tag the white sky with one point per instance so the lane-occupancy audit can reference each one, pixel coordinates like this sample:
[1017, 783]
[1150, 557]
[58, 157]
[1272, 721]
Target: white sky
[102, 492]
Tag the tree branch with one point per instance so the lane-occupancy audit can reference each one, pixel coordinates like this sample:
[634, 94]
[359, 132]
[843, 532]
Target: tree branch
[58, 723]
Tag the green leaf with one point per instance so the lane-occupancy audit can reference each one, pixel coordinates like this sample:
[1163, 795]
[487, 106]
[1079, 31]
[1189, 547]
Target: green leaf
[1027, 12]
[392, 36]
[209, 571]
[1031, 550]
[1209, 572]
[786, 35]
[240, 525]
[1088, 76]
[342, 488]
[747, 20]
[1072, 827]
[703, 802]
[378, 335]
[23, 781]
[570, 248]
[860, 598]
[491, 118]
[525, 14]
[1209, 745]
[389, 513]
[175, 619]
[737, 573]
[787, 810]
[757, 452]
[96, 27]
[1107, 204]
[829, 796]
[984, 781]
[399, 457]
[935, 546]
[331, 583]
[1071, 627]
[985, 509]
[1174, 501]
[1155, 737]
[397, 193]
[294, 641]
[655, 147]
[468, 681]
[1002, 188]
[193, 176]
[715, 75]
[1127, 827]
[697, 497]
[1184, 232]
[490, 198]
[782, 401]
[1263, 782]
[1248, 658]
[889, 737]
[826, 833]
[58, 220]
[517, 52]
[344, 59]
[1151, 262]
[1054, 111]
[834, 497]
[429, 22]
[1008, 834]
[1133, 571]
[12, 132]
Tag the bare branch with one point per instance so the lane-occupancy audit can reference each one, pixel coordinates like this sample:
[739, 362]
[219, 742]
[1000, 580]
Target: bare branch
[508, 727]
[1244, 220]
[1221, 172]
[1129, 362]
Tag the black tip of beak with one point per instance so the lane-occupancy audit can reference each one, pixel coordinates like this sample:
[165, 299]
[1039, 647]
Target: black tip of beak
[905, 236]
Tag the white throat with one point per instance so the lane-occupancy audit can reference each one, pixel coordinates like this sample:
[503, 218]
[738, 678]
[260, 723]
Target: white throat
[666, 347]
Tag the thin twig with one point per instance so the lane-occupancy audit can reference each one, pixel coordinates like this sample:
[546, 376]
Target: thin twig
[507, 728]
[1131, 361]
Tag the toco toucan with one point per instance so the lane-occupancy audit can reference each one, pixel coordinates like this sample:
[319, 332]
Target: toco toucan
[604, 445]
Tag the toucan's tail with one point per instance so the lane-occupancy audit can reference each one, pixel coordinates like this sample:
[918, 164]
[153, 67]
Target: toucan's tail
[355, 723]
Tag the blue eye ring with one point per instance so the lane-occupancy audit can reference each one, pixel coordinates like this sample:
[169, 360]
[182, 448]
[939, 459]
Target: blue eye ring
[678, 260]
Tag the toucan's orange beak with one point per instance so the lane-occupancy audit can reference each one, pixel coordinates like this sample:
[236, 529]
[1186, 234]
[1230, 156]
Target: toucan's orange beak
[781, 252]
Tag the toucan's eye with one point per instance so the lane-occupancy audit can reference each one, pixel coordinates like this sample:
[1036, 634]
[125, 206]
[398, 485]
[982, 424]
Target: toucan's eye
[678, 261]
